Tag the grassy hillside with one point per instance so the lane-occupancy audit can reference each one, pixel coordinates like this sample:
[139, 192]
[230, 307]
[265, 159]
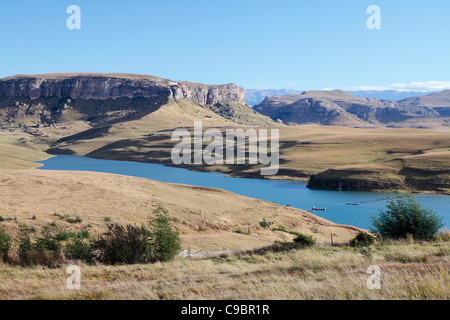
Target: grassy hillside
[206, 218]
[173, 115]
[18, 150]
[409, 271]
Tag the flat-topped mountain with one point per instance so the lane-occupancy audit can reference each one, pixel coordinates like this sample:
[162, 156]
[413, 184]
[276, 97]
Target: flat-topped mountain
[337, 107]
[98, 98]
[114, 86]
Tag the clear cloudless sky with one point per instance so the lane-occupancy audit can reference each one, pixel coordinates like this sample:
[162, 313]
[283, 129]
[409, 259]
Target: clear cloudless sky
[253, 43]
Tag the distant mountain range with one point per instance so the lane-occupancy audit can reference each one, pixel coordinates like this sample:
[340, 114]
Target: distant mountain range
[255, 96]
[101, 99]
[336, 107]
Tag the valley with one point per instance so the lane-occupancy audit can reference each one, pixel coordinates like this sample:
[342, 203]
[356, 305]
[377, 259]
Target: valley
[342, 142]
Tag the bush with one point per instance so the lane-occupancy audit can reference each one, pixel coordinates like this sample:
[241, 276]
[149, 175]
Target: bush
[362, 239]
[65, 235]
[264, 223]
[124, 245]
[77, 219]
[304, 240]
[49, 239]
[5, 244]
[165, 241]
[404, 215]
[25, 247]
[78, 249]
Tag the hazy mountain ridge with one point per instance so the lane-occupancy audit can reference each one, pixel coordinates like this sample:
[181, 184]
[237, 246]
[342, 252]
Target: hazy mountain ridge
[351, 110]
[256, 96]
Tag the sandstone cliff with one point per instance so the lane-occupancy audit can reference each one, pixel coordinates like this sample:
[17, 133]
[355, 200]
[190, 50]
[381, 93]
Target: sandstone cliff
[114, 86]
[98, 98]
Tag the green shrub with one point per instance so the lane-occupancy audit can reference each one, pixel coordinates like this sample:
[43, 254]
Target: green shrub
[25, 247]
[48, 240]
[165, 240]
[83, 234]
[362, 239]
[264, 223]
[77, 249]
[124, 245]
[65, 235]
[77, 219]
[5, 244]
[304, 240]
[404, 215]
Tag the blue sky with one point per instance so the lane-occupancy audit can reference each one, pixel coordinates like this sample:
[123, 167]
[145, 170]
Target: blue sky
[256, 44]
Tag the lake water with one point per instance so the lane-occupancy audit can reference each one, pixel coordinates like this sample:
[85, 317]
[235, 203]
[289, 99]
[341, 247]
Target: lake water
[292, 193]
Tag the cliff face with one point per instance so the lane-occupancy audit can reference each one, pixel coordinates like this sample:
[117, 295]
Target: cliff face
[115, 86]
[99, 98]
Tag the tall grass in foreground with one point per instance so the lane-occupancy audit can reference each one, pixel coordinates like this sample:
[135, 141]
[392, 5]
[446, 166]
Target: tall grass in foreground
[410, 271]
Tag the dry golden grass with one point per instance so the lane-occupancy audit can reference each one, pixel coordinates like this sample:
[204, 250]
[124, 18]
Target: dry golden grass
[17, 151]
[316, 273]
[173, 115]
[311, 149]
[206, 218]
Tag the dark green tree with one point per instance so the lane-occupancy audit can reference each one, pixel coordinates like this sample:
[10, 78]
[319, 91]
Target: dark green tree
[165, 240]
[403, 216]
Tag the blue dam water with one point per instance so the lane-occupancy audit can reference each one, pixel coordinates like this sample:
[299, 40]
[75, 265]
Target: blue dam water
[283, 192]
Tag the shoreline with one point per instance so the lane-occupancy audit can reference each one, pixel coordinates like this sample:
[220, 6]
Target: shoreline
[258, 176]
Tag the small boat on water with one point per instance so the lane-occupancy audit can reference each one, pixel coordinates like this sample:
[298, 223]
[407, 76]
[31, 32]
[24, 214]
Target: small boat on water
[321, 209]
[352, 204]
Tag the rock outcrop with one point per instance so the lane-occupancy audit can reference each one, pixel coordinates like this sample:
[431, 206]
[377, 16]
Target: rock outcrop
[115, 86]
[99, 98]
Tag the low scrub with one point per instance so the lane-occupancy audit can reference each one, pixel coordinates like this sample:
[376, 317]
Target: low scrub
[304, 240]
[362, 239]
[123, 245]
[118, 245]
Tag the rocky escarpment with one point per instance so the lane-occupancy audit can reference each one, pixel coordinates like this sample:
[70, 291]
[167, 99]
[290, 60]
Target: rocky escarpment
[115, 86]
[48, 98]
